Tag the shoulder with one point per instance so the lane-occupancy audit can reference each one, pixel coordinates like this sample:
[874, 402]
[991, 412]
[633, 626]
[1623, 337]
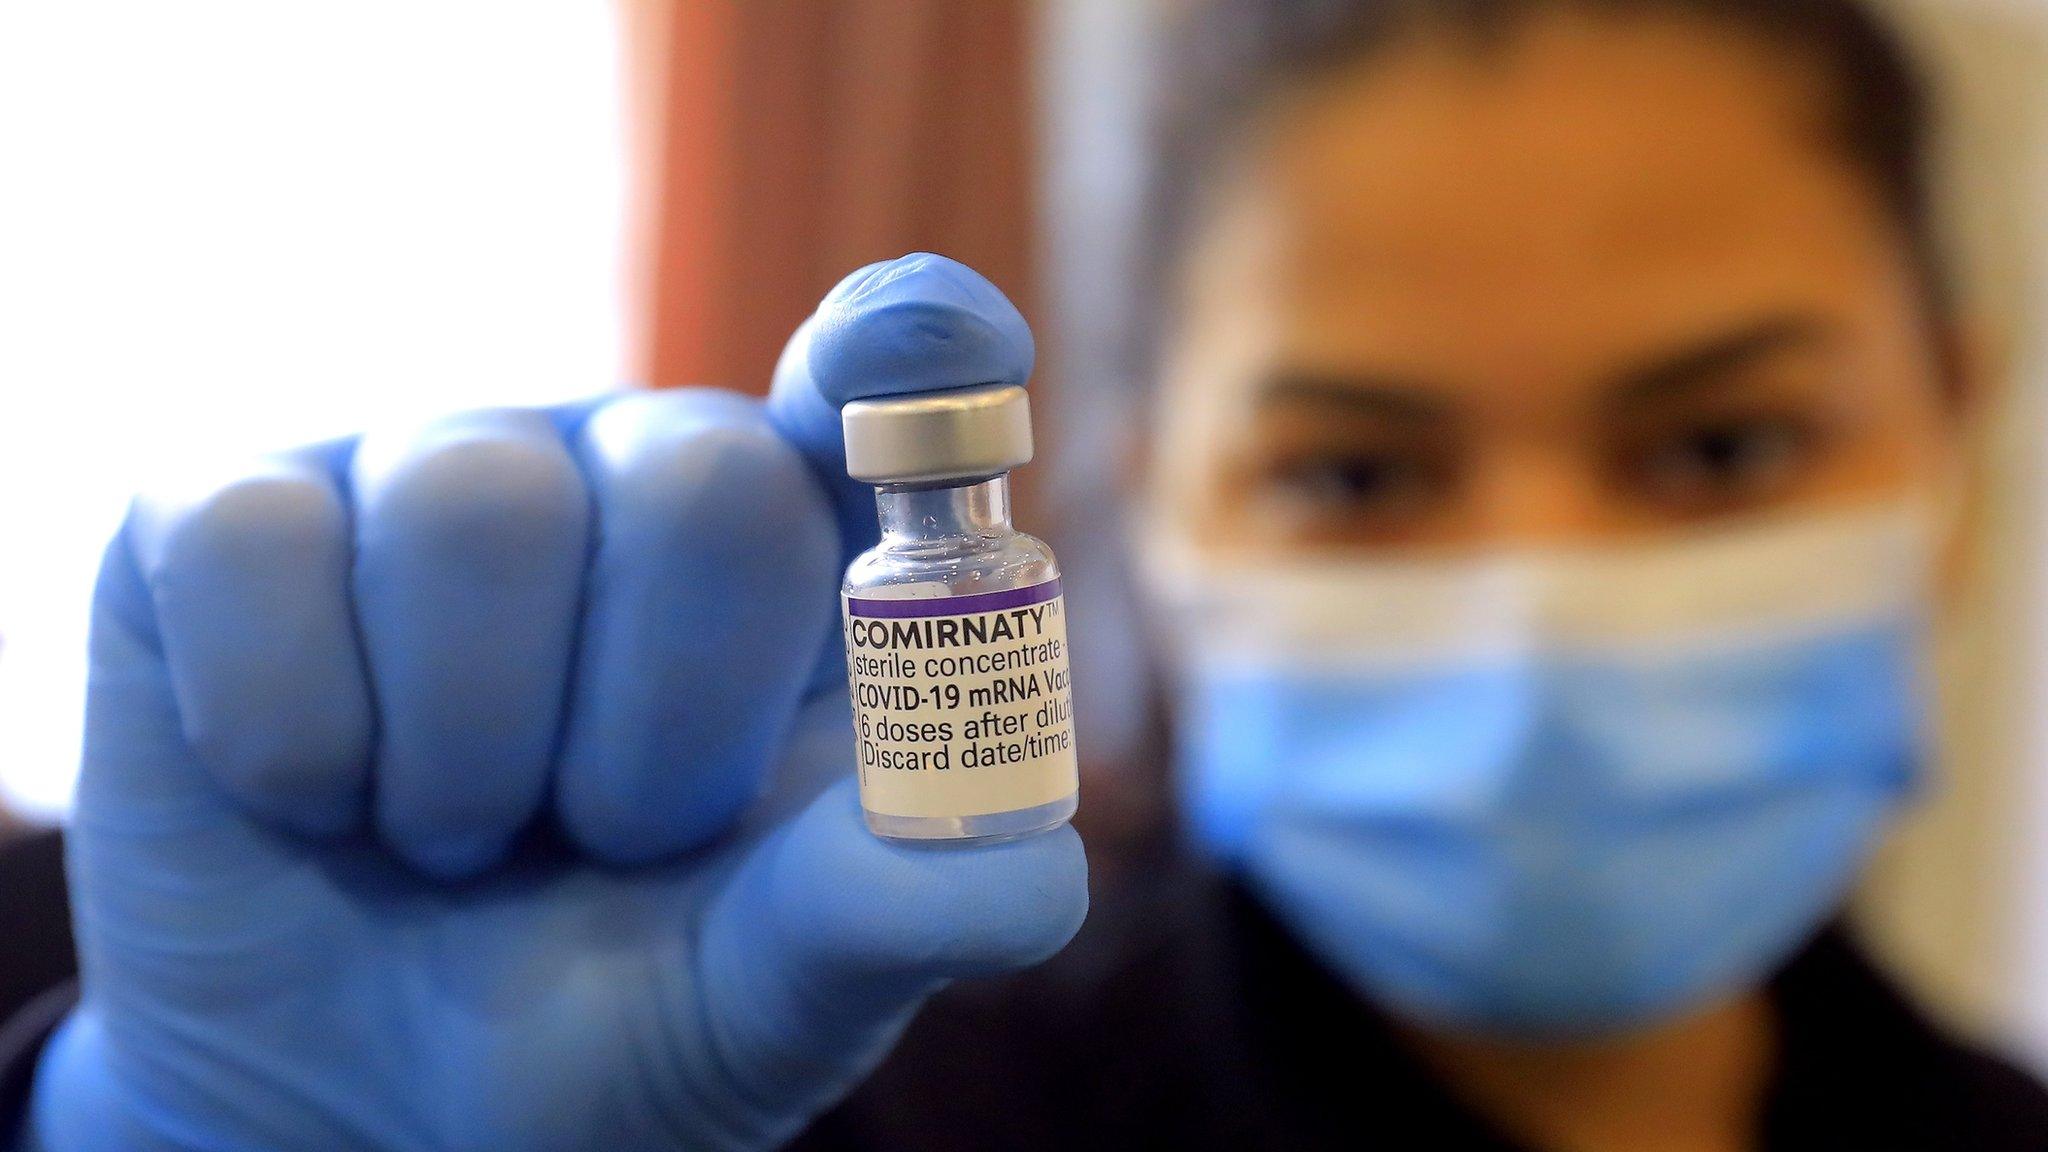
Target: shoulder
[1951, 1093]
[2007, 1100]
[1981, 1100]
[1858, 1052]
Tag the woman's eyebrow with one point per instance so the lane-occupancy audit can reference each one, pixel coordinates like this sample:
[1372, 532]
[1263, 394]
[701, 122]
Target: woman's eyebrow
[1713, 360]
[1385, 397]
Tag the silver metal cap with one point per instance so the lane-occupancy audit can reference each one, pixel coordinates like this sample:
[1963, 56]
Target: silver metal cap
[953, 435]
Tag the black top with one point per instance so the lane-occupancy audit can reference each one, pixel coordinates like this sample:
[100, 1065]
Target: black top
[1184, 1018]
[37, 965]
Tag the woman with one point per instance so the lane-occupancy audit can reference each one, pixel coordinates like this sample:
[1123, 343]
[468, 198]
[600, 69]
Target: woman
[1556, 407]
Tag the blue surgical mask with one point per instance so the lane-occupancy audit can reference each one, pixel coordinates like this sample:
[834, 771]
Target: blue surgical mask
[1564, 793]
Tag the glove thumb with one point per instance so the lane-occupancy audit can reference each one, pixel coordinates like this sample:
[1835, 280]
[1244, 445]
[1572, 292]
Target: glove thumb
[826, 941]
[919, 323]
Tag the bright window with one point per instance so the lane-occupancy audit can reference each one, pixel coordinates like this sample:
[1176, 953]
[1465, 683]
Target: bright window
[234, 225]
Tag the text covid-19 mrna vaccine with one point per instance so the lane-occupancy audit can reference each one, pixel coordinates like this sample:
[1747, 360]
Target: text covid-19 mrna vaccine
[956, 631]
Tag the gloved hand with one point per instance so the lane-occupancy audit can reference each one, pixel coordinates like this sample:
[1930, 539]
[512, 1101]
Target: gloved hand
[476, 788]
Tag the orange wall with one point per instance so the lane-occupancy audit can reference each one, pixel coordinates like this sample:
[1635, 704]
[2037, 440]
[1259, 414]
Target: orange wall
[796, 140]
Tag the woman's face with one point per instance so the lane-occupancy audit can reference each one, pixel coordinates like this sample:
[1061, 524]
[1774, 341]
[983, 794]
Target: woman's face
[1605, 280]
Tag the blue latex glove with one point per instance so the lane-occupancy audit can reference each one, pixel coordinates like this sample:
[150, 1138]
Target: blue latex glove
[333, 696]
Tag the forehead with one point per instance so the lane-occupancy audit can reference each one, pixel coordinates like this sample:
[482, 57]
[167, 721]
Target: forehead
[1587, 183]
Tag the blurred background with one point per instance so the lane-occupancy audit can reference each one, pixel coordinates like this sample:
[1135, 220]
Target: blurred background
[232, 225]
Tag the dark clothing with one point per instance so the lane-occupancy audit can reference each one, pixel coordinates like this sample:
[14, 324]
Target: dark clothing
[1185, 1019]
[37, 965]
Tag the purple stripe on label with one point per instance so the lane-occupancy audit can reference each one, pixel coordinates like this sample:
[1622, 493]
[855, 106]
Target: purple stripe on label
[954, 605]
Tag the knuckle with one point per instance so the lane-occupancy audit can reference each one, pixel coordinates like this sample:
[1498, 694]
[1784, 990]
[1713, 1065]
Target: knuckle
[739, 480]
[741, 501]
[244, 523]
[635, 438]
[703, 471]
[492, 497]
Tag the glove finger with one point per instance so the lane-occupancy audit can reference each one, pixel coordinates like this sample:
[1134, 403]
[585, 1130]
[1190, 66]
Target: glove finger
[920, 323]
[822, 947]
[247, 575]
[471, 535]
[710, 592]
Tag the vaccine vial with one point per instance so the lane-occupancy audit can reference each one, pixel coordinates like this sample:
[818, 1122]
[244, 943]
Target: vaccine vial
[956, 633]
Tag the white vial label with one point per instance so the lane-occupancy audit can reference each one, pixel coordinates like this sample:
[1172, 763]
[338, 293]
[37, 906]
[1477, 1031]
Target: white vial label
[961, 704]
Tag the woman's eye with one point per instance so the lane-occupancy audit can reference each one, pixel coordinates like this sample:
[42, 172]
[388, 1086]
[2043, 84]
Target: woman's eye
[1722, 464]
[1374, 484]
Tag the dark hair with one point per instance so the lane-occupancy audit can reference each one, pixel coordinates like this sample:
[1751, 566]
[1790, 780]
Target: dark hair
[1226, 57]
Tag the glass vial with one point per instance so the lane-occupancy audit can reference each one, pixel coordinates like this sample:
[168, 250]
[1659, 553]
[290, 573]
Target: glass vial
[956, 637]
